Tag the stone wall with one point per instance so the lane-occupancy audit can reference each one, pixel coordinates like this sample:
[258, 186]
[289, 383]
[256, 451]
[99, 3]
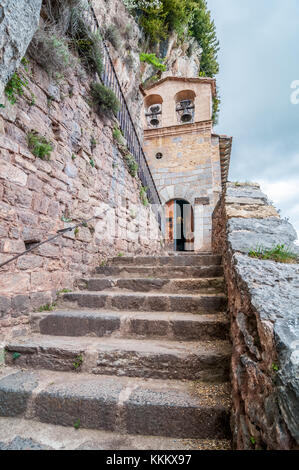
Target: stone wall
[18, 22]
[263, 301]
[85, 176]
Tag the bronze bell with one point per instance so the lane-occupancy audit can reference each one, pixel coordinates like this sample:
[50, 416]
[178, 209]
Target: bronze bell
[186, 116]
[154, 120]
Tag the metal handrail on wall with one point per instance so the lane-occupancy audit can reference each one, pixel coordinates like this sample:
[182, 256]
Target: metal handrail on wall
[110, 79]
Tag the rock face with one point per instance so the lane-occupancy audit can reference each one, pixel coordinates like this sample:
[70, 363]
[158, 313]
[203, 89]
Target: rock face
[181, 60]
[263, 299]
[18, 23]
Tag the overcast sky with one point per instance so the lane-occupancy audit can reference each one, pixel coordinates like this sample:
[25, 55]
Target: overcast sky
[259, 59]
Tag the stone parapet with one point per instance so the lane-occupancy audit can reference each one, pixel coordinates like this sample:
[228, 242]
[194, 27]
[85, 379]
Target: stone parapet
[263, 302]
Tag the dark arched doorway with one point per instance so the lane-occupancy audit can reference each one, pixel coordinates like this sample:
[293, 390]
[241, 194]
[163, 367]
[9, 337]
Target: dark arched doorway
[179, 225]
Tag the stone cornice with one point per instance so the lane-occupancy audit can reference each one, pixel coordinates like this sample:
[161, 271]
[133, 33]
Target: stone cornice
[210, 81]
[225, 146]
[177, 130]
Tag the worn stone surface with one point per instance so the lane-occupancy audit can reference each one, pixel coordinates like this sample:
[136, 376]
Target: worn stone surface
[121, 404]
[178, 326]
[263, 300]
[18, 23]
[22, 434]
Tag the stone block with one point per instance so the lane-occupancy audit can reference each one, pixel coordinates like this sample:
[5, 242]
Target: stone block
[16, 283]
[12, 174]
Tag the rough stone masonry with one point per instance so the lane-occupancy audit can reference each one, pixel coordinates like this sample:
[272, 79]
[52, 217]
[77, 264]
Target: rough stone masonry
[263, 299]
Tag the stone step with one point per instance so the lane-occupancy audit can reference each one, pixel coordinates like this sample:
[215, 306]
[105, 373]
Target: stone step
[168, 272]
[178, 286]
[173, 326]
[205, 361]
[212, 303]
[24, 434]
[118, 404]
[187, 260]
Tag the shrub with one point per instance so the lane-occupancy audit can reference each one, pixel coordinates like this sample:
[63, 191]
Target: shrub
[39, 145]
[87, 43]
[118, 135]
[51, 50]
[104, 98]
[216, 108]
[143, 196]
[15, 87]
[112, 35]
[132, 164]
[153, 60]
[278, 253]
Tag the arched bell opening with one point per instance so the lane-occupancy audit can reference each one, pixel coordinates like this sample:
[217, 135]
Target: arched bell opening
[184, 106]
[153, 110]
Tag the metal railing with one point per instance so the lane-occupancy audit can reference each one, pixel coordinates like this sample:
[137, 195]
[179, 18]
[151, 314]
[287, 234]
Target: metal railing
[59, 233]
[110, 79]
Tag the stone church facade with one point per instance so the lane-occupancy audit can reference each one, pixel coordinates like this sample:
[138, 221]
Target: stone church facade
[188, 161]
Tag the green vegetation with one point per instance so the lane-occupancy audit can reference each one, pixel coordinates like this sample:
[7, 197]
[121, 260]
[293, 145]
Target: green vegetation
[63, 291]
[143, 196]
[89, 48]
[104, 98]
[47, 308]
[132, 164]
[113, 36]
[39, 145]
[216, 108]
[203, 29]
[118, 135]
[77, 424]
[15, 87]
[16, 355]
[66, 219]
[252, 440]
[78, 361]
[153, 60]
[278, 253]
[120, 254]
[50, 49]
[275, 367]
[189, 19]
[92, 163]
[93, 143]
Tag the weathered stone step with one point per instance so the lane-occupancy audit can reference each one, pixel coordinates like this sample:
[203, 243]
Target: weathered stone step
[24, 434]
[168, 272]
[187, 260]
[178, 286]
[149, 302]
[173, 326]
[118, 404]
[205, 361]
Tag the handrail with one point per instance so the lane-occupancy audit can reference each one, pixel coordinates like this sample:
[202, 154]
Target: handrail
[59, 233]
[110, 79]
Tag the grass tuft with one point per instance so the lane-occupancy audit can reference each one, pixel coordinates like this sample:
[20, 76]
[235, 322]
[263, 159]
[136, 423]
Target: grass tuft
[39, 145]
[278, 253]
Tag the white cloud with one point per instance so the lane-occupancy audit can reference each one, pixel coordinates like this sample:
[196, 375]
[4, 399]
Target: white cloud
[285, 196]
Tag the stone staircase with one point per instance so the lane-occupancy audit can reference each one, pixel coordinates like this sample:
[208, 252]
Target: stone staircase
[141, 349]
